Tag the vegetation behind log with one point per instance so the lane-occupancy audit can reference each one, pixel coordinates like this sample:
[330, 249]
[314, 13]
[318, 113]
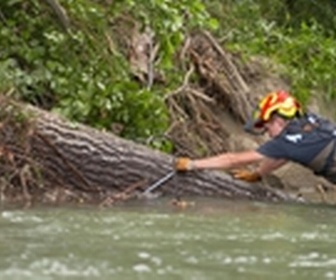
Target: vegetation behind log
[112, 64]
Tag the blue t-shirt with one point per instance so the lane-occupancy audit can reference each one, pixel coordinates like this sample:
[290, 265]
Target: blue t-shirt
[297, 145]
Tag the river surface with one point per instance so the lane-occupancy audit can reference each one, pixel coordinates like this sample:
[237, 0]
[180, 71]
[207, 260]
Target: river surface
[212, 239]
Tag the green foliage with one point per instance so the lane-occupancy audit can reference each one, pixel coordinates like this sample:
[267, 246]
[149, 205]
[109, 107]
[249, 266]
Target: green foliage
[171, 20]
[289, 34]
[74, 63]
[65, 62]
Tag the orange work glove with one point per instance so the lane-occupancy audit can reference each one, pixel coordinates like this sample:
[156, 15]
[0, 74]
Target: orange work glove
[246, 175]
[183, 164]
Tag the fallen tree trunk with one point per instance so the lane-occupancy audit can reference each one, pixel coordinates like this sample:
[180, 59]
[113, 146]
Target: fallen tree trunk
[45, 156]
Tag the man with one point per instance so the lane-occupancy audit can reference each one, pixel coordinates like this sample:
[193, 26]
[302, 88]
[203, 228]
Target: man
[300, 137]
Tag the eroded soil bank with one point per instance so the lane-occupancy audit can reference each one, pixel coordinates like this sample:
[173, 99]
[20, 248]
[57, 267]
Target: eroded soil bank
[46, 159]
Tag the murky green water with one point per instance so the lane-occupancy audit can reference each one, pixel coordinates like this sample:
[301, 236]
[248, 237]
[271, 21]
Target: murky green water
[214, 239]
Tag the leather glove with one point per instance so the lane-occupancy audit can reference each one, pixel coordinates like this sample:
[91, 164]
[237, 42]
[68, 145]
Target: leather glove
[183, 164]
[246, 175]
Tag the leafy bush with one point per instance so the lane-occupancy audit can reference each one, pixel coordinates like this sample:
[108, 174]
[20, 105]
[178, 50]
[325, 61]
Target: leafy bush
[65, 62]
[288, 33]
[73, 62]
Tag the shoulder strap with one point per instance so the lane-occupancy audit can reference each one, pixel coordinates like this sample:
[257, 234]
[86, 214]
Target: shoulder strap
[322, 163]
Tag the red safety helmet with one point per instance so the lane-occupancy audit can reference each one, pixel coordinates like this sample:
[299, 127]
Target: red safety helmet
[280, 102]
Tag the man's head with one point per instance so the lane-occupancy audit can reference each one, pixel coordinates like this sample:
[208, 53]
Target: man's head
[274, 110]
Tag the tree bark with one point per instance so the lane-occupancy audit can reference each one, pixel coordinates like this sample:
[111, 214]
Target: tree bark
[99, 164]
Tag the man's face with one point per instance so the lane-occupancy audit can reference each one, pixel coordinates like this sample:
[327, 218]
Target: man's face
[275, 126]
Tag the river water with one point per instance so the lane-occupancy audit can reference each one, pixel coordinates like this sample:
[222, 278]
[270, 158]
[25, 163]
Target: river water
[211, 239]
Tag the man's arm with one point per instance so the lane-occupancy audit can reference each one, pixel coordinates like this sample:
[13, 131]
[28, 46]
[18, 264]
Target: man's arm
[268, 165]
[234, 160]
[222, 161]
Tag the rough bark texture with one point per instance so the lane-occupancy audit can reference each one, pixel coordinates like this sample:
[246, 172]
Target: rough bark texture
[95, 165]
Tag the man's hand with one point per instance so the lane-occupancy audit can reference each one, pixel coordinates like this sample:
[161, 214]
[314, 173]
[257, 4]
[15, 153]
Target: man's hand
[183, 164]
[246, 175]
